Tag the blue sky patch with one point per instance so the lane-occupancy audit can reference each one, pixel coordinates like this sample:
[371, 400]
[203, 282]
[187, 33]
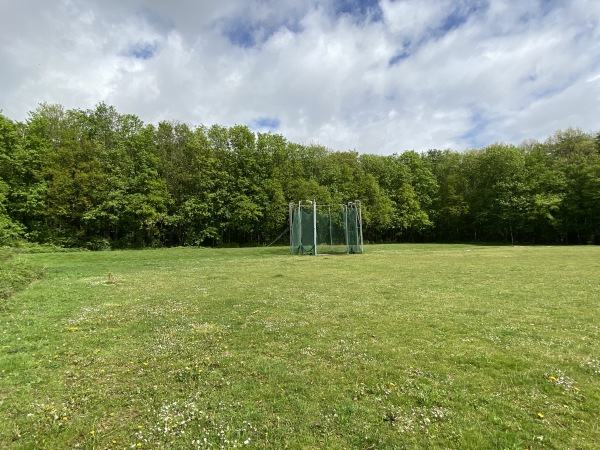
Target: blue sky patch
[547, 6]
[474, 137]
[272, 123]
[245, 34]
[453, 20]
[359, 9]
[460, 16]
[241, 34]
[400, 55]
[551, 91]
[143, 50]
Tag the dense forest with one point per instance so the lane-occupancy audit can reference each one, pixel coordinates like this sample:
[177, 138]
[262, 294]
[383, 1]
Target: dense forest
[99, 179]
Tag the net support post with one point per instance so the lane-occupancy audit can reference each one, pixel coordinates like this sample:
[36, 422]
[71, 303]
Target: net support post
[301, 248]
[291, 222]
[359, 219]
[314, 204]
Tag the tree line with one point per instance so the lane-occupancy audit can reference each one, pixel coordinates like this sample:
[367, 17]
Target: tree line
[100, 179]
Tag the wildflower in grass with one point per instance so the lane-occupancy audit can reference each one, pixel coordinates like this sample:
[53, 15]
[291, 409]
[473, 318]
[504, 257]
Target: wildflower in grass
[567, 383]
[540, 415]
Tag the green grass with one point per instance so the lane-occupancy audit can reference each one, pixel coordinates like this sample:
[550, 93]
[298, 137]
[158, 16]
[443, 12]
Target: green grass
[14, 275]
[405, 346]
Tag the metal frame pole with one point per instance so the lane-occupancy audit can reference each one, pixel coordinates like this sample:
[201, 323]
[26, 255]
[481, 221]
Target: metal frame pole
[359, 218]
[346, 234]
[330, 227]
[291, 229]
[315, 225]
[301, 249]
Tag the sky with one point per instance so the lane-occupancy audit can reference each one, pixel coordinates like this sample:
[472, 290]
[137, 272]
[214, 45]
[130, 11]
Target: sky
[377, 77]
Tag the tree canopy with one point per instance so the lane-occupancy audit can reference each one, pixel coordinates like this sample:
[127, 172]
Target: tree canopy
[101, 179]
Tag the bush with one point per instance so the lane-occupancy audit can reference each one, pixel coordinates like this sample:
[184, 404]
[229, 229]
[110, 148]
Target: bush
[11, 233]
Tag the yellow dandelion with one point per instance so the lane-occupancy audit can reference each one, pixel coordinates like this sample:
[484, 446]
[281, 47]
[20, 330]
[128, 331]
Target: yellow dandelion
[540, 415]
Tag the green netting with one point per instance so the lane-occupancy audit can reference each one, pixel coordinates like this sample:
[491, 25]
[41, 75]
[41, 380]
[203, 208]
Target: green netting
[337, 228]
[354, 240]
[303, 232]
[331, 229]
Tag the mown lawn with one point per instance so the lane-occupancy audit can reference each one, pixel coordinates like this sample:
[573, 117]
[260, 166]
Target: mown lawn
[405, 346]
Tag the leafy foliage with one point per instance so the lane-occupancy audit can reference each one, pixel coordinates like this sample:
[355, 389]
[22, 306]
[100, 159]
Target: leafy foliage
[100, 179]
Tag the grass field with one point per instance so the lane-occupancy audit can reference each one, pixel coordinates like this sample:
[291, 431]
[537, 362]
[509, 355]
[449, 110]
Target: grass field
[405, 346]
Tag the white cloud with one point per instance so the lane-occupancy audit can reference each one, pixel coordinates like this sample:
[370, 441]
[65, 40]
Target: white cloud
[421, 74]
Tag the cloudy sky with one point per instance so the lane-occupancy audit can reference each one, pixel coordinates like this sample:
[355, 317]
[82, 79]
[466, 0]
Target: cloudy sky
[373, 76]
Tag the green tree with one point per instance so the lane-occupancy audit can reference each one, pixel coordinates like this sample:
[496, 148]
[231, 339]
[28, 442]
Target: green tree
[27, 155]
[497, 192]
[576, 155]
[10, 230]
[407, 191]
[450, 208]
[546, 184]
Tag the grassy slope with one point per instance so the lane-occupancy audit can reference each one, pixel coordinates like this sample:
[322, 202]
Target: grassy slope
[14, 275]
[424, 346]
